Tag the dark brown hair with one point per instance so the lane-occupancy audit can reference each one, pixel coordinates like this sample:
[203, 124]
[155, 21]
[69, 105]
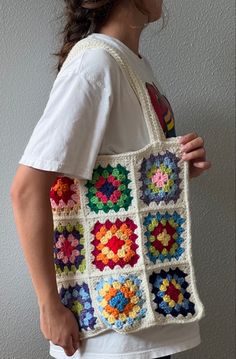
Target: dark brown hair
[83, 17]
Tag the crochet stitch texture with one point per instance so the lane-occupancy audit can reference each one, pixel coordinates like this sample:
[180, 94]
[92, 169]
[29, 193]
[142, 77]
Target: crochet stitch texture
[122, 240]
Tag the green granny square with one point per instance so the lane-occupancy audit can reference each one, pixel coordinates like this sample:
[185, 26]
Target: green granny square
[108, 189]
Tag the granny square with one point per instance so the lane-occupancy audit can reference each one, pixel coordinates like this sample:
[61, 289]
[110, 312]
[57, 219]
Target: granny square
[121, 301]
[163, 232]
[77, 298]
[114, 243]
[64, 196]
[68, 248]
[109, 189]
[171, 295]
[160, 180]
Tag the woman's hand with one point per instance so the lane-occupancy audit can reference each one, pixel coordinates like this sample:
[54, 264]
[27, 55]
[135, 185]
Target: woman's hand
[59, 325]
[193, 151]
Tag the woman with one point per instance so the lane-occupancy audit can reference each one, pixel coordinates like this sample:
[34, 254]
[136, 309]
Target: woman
[91, 110]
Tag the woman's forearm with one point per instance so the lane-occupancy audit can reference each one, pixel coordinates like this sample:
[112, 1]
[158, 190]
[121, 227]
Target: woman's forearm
[34, 222]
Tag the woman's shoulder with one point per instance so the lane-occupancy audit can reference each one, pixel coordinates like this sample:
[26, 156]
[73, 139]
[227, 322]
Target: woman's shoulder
[93, 63]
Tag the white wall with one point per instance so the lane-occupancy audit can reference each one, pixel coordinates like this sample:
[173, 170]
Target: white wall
[193, 59]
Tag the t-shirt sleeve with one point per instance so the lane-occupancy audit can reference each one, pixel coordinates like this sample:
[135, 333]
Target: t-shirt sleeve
[68, 136]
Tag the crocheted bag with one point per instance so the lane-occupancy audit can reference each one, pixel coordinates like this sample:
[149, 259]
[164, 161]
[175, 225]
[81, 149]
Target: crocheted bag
[122, 240]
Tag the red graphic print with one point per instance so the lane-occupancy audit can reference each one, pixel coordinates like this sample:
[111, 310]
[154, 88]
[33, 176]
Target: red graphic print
[163, 110]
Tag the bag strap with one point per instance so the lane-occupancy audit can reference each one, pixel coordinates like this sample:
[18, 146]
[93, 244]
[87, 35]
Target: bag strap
[155, 130]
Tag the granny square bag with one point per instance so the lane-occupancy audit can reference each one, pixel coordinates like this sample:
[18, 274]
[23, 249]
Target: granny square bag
[122, 240]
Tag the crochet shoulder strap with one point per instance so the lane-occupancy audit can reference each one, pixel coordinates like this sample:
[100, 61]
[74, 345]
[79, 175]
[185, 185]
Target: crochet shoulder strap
[155, 130]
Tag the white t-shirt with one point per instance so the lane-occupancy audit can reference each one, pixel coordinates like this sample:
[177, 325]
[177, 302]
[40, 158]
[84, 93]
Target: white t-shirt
[93, 110]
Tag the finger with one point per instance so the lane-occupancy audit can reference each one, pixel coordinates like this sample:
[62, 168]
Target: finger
[202, 165]
[68, 347]
[194, 155]
[76, 341]
[76, 336]
[193, 144]
[186, 138]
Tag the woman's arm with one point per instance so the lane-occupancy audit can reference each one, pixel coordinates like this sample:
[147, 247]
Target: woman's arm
[33, 217]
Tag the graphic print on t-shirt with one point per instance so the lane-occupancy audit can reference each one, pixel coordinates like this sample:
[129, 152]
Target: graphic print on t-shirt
[163, 110]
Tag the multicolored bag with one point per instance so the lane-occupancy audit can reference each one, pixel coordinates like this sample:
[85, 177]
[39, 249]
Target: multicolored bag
[122, 240]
